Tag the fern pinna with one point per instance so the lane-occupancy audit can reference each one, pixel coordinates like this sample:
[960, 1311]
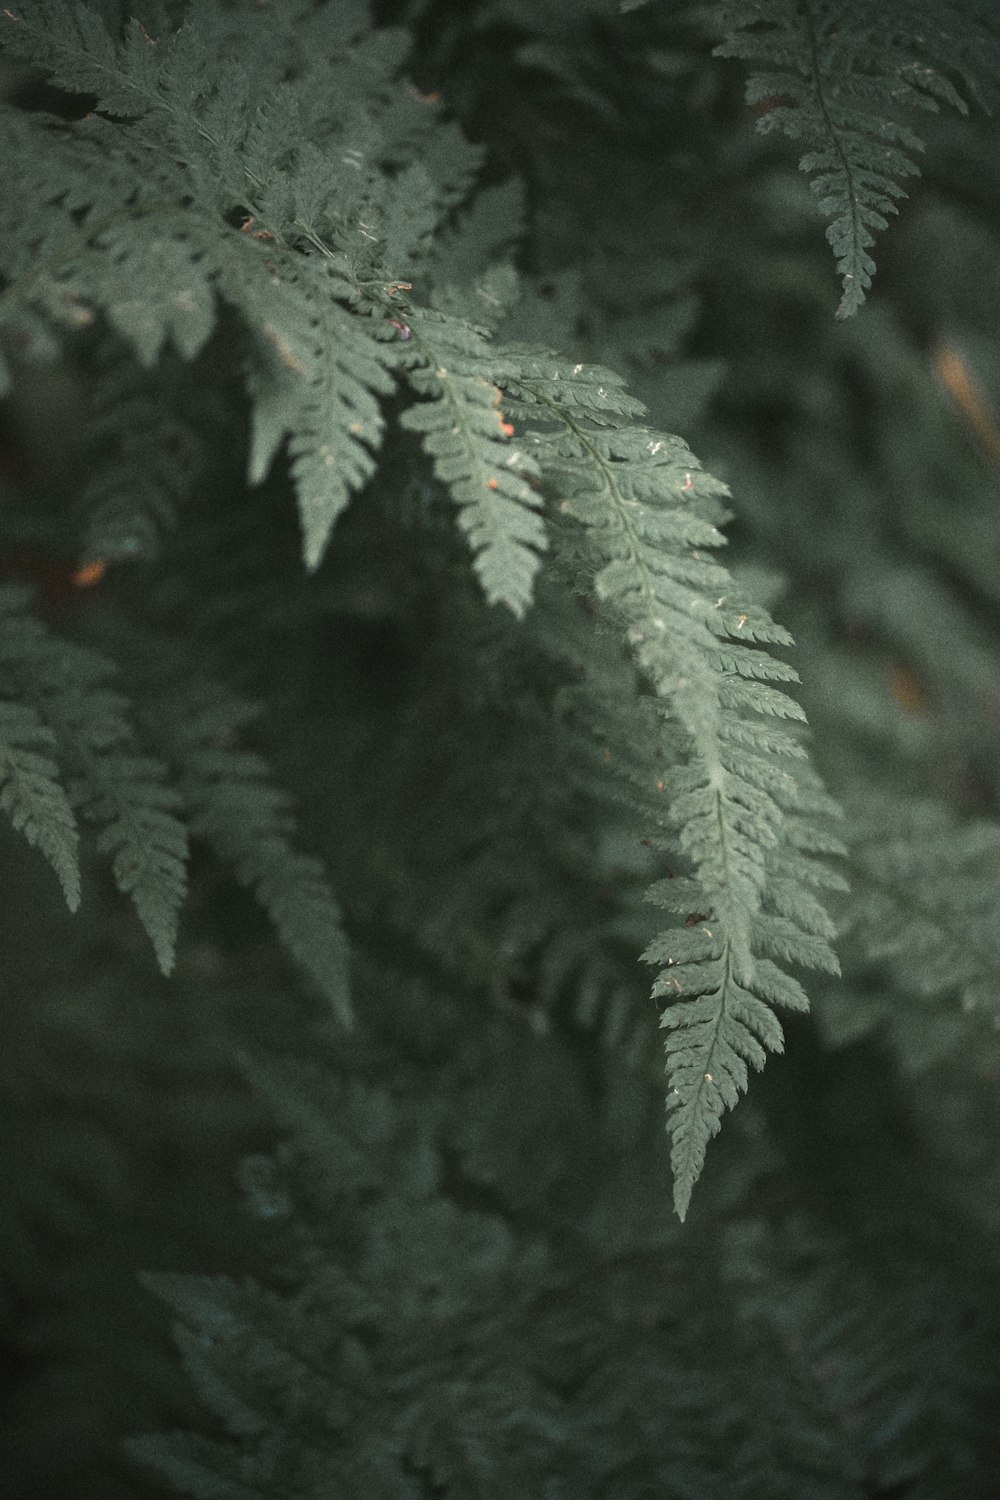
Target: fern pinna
[300, 191]
[108, 780]
[465, 1307]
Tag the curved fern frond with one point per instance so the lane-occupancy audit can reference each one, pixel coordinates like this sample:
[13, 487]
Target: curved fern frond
[468, 439]
[303, 233]
[747, 815]
[835, 76]
[108, 781]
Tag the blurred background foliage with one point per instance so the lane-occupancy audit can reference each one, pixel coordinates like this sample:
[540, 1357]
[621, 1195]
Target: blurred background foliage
[669, 240]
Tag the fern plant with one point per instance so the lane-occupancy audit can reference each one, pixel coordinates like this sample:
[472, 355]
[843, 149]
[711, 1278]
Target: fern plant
[286, 222]
[343, 490]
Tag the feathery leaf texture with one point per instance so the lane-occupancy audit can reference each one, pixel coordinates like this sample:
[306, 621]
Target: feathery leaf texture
[336, 206]
[109, 782]
[926, 903]
[403, 1403]
[464, 431]
[835, 76]
[479, 1350]
[149, 244]
[131, 217]
[481, 1290]
[316, 375]
[749, 812]
[32, 795]
[233, 804]
[144, 458]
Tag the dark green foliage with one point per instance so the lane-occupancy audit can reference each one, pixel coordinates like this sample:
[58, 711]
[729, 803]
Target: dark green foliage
[33, 797]
[464, 1308]
[351, 556]
[836, 76]
[463, 430]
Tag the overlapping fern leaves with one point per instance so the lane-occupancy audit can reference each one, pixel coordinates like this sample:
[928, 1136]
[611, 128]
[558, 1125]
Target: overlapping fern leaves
[74, 748]
[931, 936]
[218, 188]
[465, 1297]
[303, 194]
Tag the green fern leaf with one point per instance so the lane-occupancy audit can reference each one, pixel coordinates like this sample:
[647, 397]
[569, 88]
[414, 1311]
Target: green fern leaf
[133, 218]
[33, 797]
[72, 45]
[75, 236]
[109, 784]
[140, 831]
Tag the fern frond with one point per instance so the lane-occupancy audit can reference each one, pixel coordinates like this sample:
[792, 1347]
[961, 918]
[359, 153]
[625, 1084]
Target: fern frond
[234, 805]
[470, 1345]
[144, 455]
[74, 239]
[313, 370]
[109, 782]
[835, 76]
[464, 432]
[738, 798]
[33, 797]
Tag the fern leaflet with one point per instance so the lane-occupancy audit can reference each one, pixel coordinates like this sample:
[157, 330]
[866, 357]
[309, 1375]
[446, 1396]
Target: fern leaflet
[108, 781]
[315, 373]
